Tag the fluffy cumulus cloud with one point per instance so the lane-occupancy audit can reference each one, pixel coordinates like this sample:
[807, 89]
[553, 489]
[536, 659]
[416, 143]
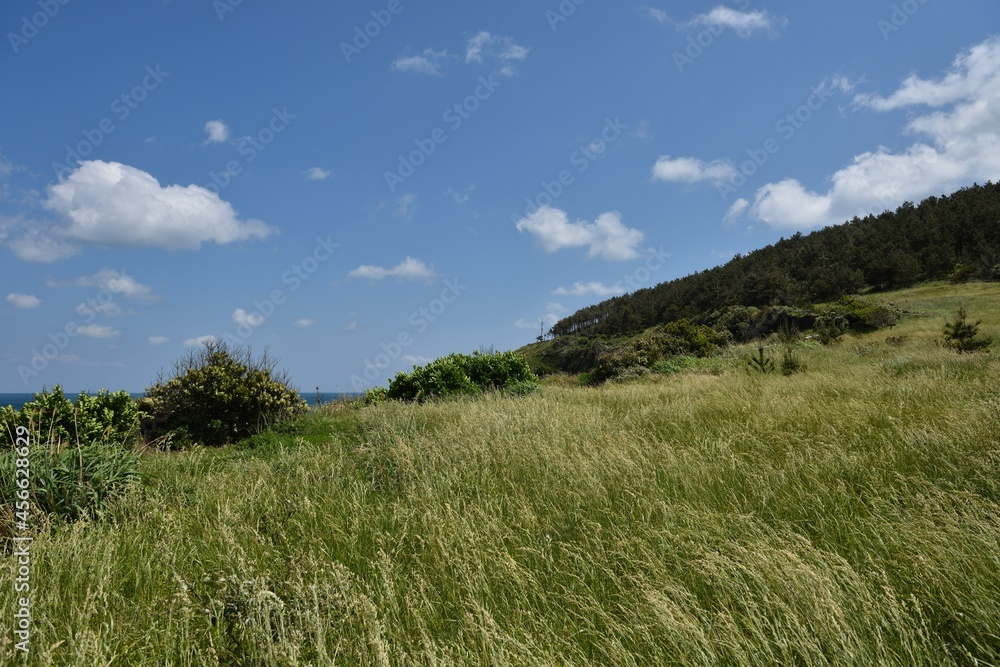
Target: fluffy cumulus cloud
[955, 120]
[114, 205]
[24, 301]
[590, 288]
[743, 23]
[606, 238]
[428, 62]
[692, 170]
[217, 132]
[408, 269]
[241, 317]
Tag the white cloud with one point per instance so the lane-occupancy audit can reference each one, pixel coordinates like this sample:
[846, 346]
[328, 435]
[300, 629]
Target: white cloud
[545, 322]
[114, 205]
[736, 210]
[959, 143]
[743, 24]
[217, 132]
[200, 341]
[405, 205]
[304, 322]
[110, 309]
[607, 238]
[429, 62]
[158, 340]
[692, 170]
[317, 174]
[97, 331]
[116, 282]
[494, 47]
[408, 269]
[241, 317]
[24, 301]
[6, 167]
[654, 14]
[416, 360]
[593, 287]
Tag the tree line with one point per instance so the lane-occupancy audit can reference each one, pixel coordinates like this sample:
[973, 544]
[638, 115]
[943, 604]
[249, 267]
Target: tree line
[954, 237]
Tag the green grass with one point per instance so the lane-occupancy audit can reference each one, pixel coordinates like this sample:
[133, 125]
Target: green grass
[847, 515]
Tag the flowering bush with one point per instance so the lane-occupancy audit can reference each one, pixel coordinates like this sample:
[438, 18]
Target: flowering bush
[218, 395]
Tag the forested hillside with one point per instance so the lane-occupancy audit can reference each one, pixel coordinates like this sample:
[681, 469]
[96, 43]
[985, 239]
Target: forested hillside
[955, 237]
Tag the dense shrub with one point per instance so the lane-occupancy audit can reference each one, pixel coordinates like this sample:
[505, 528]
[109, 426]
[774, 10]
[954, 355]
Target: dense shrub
[736, 321]
[79, 457]
[463, 374]
[219, 394]
[864, 315]
[647, 349]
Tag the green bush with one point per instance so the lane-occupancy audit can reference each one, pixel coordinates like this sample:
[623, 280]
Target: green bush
[736, 321]
[79, 457]
[375, 395]
[217, 395]
[464, 375]
[862, 315]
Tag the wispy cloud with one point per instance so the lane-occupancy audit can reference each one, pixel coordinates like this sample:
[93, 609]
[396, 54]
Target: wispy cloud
[428, 62]
[317, 174]
[692, 170]
[743, 23]
[589, 288]
[408, 269]
[97, 331]
[199, 341]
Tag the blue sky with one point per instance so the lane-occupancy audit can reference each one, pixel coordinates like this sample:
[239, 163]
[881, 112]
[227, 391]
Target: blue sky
[360, 188]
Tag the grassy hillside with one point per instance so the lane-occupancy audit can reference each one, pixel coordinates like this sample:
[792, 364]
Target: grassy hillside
[847, 515]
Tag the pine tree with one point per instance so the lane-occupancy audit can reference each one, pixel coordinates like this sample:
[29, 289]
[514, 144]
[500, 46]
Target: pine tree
[962, 336]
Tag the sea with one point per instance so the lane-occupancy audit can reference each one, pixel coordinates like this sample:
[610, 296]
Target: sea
[17, 401]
